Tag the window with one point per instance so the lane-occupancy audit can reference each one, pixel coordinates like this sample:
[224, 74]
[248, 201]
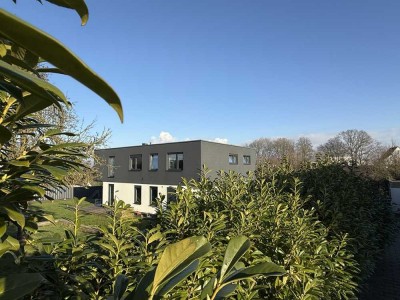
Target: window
[175, 161]
[153, 162]
[137, 195]
[246, 160]
[171, 194]
[233, 159]
[111, 166]
[111, 194]
[135, 162]
[153, 195]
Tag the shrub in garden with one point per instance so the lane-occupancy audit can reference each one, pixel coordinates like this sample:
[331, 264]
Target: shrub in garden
[347, 202]
[276, 217]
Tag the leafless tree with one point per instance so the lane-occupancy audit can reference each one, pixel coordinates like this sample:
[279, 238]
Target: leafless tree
[304, 150]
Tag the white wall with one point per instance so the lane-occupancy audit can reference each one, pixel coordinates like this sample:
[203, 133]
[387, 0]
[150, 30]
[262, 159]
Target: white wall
[125, 192]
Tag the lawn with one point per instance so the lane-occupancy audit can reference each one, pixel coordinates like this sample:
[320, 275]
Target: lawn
[63, 212]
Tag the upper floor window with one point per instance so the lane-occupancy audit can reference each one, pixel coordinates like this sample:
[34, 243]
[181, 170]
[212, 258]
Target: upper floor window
[233, 159]
[246, 160]
[135, 162]
[175, 161]
[153, 162]
[111, 166]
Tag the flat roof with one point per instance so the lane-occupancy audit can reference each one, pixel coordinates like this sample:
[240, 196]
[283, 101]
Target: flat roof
[169, 143]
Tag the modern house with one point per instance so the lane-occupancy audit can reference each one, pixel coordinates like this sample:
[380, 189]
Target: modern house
[138, 174]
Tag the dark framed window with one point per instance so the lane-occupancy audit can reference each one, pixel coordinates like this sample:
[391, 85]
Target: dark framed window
[153, 162]
[111, 194]
[175, 161]
[233, 159]
[137, 198]
[171, 194]
[135, 162]
[246, 160]
[153, 195]
[111, 166]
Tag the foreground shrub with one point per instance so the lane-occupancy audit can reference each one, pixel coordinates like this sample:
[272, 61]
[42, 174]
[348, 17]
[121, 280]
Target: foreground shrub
[276, 217]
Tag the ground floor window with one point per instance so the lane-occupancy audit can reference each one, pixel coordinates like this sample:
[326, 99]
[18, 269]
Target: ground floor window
[137, 195]
[153, 195]
[111, 194]
[171, 194]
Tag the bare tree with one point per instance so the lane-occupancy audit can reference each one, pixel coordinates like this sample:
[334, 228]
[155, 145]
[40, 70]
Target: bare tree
[304, 150]
[333, 148]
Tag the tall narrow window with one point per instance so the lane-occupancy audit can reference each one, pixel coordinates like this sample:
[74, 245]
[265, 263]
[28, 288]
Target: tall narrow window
[111, 194]
[153, 195]
[135, 162]
[137, 195]
[111, 166]
[175, 161]
[153, 162]
[246, 160]
[233, 159]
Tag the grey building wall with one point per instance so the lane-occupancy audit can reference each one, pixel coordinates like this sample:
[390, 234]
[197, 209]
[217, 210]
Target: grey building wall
[195, 154]
[191, 163]
[215, 157]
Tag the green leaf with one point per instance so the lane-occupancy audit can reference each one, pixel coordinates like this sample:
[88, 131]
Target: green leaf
[142, 290]
[15, 286]
[31, 104]
[208, 288]
[177, 257]
[14, 214]
[265, 268]
[19, 163]
[58, 173]
[174, 281]
[157, 236]
[3, 227]
[8, 244]
[34, 188]
[237, 246]
[78, 5]
[31, 83]
[121, 283]
[225, 291]
[5, 134]
[45, 46]
[3, 50]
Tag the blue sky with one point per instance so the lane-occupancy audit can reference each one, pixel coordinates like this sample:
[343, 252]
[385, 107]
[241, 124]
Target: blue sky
[234, 70]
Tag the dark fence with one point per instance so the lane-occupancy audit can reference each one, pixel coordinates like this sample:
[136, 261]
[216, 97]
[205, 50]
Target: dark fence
[92, 193]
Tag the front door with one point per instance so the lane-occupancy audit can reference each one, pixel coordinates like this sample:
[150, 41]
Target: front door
[111, 194]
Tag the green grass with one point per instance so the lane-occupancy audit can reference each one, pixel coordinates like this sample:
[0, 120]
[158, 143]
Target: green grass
[64, 209]
[63, 212]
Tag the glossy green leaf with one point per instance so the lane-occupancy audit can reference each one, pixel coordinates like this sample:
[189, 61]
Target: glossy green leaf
[225, 291]
[19, 163]
[142, 290]
[45, 46]
[266, 269]
[13, 90]
[178, 256]
[78, 5]
[174, 281]
[8, 244]
[120, 285]
[3, 50]
[58, 173]
[31, 104]
[3, 227]
[31, 83]
[15, 286]
[157, 236]
[5, 134]
[237, 246]
[35, 189]
[14, 214]
[208, 289]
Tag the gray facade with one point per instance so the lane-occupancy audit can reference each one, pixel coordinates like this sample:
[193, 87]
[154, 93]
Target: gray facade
[138, 174]
[214, 156]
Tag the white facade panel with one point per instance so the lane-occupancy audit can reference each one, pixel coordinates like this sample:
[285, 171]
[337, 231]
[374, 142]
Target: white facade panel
[125, 192]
